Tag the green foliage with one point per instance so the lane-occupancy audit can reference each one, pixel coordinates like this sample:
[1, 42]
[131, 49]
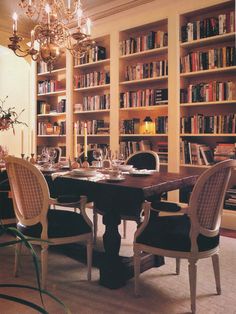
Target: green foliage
[20, 238]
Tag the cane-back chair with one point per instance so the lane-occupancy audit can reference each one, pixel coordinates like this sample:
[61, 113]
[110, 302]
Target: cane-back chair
[194, 235]
[32, 201]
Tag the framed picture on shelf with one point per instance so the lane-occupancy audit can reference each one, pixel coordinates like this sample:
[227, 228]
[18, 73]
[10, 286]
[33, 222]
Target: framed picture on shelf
[207, 155]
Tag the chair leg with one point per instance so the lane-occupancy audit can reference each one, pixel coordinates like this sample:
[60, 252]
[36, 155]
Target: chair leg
[124, 228]
[17, 258]
[89, 258]
[216, 267]
[137, 260]
[95, 226]
[44, 264]
[192, 269]
[177, 266]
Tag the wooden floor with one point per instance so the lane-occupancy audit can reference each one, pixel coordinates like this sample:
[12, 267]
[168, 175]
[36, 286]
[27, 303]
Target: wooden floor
[162, 291]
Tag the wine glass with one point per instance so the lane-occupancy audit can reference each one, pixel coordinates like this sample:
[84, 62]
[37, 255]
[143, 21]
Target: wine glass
[44, 155]
[52, 154]
[98, 155]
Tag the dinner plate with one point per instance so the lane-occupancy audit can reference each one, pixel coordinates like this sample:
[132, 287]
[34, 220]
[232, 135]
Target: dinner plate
[140, 173]
[126, 167]
[115, 179]
[84, 172]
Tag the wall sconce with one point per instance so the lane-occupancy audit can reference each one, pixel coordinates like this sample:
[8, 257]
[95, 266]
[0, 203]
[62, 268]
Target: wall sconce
[148, 122]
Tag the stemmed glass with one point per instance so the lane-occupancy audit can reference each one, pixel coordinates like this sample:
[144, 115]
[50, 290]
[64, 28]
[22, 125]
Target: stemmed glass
[52, 154]
[98, 155]
[44, 155]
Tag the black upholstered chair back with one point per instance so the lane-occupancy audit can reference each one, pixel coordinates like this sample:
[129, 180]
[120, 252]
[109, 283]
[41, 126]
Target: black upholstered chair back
[144, 160]
[90, 156]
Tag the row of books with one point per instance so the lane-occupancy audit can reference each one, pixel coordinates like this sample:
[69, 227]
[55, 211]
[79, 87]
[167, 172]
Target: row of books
[195, 154]
[211, 26]
[133, 126]
[92, 79]
[145, 42]
[201, 154]
[42, 67]
[49, 86]
[49, 128]
[230, 198]
[92, 55]
[210, 59]
[146, 70]
[44, 108]
[211, 91]
[143, 97]
[96, 102]
[215, 124]
[93, 127]
[128, 148]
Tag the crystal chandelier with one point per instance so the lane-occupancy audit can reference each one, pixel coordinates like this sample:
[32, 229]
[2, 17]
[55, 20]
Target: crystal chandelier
[51, 33]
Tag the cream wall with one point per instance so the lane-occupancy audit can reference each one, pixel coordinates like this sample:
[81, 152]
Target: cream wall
[15, 83]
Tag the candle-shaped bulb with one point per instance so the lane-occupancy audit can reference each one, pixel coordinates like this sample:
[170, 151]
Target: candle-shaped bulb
[68, 4]
[88, 22]
[79, 15]
[15, 17]
[32, 38]
[48, 10]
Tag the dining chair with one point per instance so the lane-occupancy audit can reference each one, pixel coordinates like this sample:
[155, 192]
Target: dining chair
[31, 200]
[192, 236]
[7, 215]
[140, 160]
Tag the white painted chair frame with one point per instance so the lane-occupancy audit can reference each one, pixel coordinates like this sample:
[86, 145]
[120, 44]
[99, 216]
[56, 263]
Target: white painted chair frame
[196, 228]
[41, 216]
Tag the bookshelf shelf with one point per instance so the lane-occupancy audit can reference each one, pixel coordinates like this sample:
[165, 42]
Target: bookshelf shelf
[146, 80]
[207, 135]
[209, 40]
[206, 103]
[142, 135]
[54, 114]
[94, 135]
[194, 166]
[52, 135]
[208, 72]
[56, 93]
[90, 88]
[92, 111]
[144, 108]
[52, 73]
[92, 64]
[145, 53]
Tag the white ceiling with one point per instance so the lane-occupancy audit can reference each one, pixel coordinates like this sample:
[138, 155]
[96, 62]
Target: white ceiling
[95, 8]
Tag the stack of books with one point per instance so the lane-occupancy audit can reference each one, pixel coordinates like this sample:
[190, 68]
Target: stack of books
[225, 151]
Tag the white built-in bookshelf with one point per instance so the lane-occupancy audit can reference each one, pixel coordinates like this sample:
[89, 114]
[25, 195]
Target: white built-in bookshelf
[142, 71]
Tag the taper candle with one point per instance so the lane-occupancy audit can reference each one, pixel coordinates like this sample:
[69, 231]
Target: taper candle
[22, 142]
[75, 141]
[32, 141]
[85, 140]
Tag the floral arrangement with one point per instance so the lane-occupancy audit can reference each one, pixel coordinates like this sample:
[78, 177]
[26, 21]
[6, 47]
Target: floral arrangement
[9, 117]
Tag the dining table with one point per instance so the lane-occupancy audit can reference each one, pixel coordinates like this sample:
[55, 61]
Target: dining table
[114, 198]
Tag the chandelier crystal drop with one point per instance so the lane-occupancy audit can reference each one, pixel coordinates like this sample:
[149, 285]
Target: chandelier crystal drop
[52, 34]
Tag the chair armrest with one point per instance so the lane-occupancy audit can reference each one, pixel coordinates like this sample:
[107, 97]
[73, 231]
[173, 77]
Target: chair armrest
[169, 207]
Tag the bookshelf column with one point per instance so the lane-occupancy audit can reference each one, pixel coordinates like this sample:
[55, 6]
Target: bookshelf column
[33, 97]
[114, 90]
[173, 98]
[69, 105]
